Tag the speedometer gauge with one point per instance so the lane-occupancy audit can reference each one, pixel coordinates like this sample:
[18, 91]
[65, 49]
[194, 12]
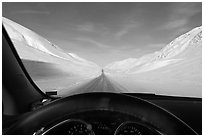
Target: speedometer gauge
[71, 127]
[133, 128]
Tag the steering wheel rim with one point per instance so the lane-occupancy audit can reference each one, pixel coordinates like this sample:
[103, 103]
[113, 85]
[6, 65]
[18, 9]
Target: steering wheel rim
[166, 122]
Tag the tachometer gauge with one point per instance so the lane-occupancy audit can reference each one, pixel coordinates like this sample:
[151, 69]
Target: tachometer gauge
[71, 127]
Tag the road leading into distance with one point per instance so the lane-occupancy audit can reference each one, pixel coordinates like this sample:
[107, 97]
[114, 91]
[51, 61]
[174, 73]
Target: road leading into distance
[99, 84]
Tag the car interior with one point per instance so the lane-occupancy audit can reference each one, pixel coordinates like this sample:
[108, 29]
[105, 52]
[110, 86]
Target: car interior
[29, 111]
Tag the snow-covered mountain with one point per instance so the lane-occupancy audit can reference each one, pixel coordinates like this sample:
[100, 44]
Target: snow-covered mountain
[185, 47]
[175, 70]
[33, 47]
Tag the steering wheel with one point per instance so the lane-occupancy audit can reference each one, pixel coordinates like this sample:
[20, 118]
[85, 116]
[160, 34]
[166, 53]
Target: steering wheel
[165, 122]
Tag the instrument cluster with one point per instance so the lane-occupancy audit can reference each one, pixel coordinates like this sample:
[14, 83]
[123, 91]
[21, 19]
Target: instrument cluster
[80, 127]
[98, 122]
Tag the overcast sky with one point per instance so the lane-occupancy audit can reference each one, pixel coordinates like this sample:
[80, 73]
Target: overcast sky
[107, 32]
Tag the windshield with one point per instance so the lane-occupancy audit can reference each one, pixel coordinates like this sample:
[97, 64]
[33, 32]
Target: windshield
[72, 48]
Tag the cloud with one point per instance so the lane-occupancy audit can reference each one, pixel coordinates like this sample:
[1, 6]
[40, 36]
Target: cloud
[93, 42]
[126, 29]
[180, 15]
[188, 9]
[86, 27]
[90, 27]
[175, 24]
[122, 32]
[31, 12]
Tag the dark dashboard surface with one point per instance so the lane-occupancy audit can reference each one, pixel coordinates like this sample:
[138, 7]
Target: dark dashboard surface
[186, 108]
[101, 122]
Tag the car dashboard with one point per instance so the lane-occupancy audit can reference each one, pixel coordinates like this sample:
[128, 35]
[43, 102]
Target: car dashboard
[98, 122]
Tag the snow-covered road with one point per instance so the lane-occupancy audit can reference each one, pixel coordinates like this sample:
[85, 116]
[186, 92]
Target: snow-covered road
[99, 84]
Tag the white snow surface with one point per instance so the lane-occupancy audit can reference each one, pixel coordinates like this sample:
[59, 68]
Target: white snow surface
[34, 47]
[166, 56]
